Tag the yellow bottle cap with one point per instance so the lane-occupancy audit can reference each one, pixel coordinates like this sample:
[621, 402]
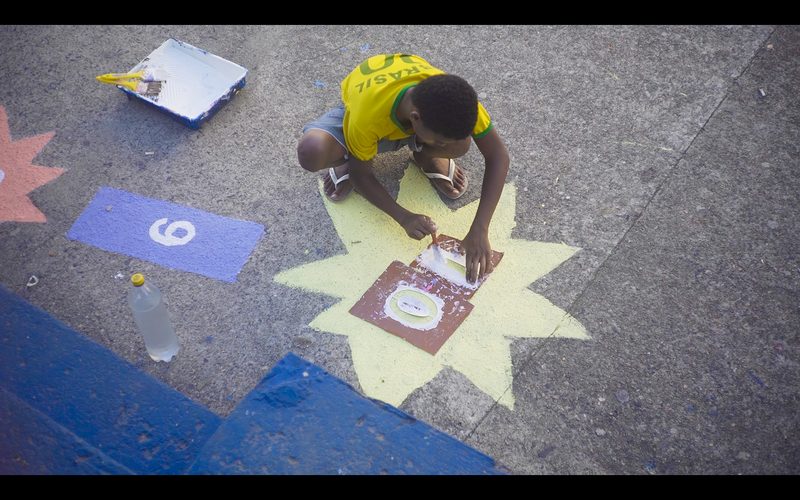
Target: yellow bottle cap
[137, 279]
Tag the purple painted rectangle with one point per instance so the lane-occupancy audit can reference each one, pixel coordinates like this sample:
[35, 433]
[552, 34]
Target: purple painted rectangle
[167, 234]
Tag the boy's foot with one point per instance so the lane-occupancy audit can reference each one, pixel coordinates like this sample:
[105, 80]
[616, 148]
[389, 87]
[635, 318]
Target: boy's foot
[337, 183]
[445, 175]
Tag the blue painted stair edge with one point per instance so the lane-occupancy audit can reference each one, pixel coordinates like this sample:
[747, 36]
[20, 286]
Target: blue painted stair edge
[33, 443]
[70, 406]
[133, 419]
[302, 420]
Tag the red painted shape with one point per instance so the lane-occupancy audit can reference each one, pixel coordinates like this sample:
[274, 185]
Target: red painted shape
[20, 176]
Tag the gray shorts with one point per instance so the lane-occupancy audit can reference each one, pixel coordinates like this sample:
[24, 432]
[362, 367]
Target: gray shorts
[331, 122]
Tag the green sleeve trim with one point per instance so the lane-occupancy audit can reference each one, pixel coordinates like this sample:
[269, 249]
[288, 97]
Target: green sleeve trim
[478, 136]
[397, 100]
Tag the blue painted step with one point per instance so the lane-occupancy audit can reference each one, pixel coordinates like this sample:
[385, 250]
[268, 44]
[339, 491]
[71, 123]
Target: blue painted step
[94, 396]
[71, 406]
[32, 443]
[301, 420]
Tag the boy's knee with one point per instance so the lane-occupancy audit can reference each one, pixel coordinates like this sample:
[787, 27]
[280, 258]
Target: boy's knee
[461, 147]
[455, 149]
[311, 153]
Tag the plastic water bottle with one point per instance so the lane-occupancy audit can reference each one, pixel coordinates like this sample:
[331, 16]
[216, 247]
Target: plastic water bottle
[152, 319]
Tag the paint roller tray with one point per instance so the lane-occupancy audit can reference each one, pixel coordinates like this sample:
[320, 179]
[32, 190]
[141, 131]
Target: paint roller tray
[195, 83]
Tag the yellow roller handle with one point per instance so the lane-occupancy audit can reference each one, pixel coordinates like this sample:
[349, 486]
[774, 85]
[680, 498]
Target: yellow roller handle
[116, 78]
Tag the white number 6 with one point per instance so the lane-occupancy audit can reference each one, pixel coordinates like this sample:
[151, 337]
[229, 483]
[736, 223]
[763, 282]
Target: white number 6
[168, 238]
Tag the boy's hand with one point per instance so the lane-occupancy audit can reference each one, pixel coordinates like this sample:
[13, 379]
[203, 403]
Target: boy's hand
[479, 254]
[418, 226]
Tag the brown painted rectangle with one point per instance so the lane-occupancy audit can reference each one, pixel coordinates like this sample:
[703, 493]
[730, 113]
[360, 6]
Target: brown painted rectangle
[393, 284]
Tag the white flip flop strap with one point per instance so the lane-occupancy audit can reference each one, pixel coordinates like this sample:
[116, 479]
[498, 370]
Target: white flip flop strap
[337, 180]
[448, 177]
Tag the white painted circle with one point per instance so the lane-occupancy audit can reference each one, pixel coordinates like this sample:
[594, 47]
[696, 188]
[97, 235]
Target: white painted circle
[417, 305]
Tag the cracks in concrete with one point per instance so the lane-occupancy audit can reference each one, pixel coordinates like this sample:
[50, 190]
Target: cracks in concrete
[536, 350]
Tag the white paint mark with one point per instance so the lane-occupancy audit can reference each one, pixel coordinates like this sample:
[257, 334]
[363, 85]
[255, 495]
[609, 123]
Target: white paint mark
[631, 143]
[452, 268]
[148, 153]
[424, 304]
[118, 276]
[168, 238]
[2, 175]
[32, 281]
[437, 253]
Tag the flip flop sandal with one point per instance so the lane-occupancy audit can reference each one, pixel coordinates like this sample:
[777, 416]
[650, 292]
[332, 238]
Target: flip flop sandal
[449, 177]
[336, 180]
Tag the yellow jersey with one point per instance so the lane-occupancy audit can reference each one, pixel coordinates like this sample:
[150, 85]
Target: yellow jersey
[371, 94]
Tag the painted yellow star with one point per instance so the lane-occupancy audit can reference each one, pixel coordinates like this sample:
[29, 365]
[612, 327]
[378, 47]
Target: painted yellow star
[389, 368]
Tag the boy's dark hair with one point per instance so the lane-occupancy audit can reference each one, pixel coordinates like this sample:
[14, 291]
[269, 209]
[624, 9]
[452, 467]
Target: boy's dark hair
[447, 104]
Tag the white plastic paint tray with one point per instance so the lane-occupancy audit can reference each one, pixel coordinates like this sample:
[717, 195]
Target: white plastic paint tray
[195, 84]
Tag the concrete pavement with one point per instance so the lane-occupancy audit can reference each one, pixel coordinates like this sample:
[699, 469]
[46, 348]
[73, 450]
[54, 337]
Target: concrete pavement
[649, 148]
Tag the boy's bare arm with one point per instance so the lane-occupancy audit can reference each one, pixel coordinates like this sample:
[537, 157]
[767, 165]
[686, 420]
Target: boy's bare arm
[476, 244]
[416, 226]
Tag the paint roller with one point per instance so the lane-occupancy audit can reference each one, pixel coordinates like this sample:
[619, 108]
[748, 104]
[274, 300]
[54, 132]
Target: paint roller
[142, 82]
